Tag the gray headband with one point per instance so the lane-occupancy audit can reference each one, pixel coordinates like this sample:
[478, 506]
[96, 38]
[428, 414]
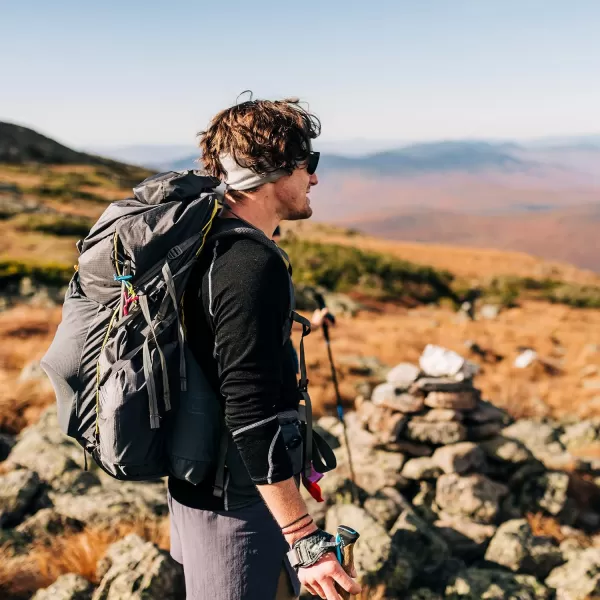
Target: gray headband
[240, 178]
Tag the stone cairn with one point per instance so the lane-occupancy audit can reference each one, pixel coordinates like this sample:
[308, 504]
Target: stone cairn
[454, 493]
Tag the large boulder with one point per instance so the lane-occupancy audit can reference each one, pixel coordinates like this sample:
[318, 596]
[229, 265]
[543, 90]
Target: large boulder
[475, 496]
[45, 524]
[375, 557]
[579, 578]
[475, 584]
[137, 570]
[67, 587]
[515, 547]
[17, 492]
[44, 449]
[112, 502]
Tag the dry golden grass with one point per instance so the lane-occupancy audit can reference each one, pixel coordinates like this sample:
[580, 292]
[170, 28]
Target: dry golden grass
[559, 333]
[70, 553]
[468, 263]
[35, 247]
[25, 334]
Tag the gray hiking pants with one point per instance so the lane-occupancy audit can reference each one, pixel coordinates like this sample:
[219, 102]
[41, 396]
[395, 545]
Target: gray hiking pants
[233, 555]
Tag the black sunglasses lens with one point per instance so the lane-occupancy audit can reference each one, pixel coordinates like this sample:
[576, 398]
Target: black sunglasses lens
[313, 161]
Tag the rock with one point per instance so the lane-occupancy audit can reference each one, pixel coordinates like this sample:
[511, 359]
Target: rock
[421, 468]
[410, 448]
[485, 411]
[465, 400]
[404, 403]
[379, 469]
[441, 384]
[459, 458]
[137, 570]
[112, 502]
[45, 524]
[465, 538]
[385, 506]
[579, 434]
[418, 543]
[375, 558]
[435, 433]
[390, 428]
[484, 431]
[515, 547]
[403, 375]
[440, 415]
[441, 362]
[384, 392]
[476, 584]
[44, 449]
[539, 437]
[6, 444]
[424, 501]
[579, 578]
[66, 587]
[489, 311]
[504, 449]
[474, 496]
[548, 491]
[572, 547]
[17, 492]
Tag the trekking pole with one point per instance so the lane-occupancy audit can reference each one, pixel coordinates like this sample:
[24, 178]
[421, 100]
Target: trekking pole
[346, 538]
[338, 399]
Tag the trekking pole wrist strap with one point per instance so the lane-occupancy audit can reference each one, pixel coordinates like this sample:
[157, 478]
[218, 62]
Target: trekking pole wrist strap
[308, 550]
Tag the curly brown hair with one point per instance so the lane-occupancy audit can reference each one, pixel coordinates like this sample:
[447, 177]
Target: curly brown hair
[261, 135]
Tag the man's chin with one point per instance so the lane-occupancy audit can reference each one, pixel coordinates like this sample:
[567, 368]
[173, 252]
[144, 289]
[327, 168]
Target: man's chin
[306, 213]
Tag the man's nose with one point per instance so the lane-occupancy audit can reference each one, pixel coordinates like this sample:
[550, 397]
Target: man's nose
[313, 179]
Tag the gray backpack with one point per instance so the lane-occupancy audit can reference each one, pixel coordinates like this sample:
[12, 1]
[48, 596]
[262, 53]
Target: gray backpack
[128, 388]
[118, 362]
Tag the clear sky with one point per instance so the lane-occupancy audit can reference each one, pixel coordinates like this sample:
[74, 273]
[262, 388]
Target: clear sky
[119, 72]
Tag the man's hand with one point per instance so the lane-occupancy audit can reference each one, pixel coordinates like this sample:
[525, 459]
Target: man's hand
[320, 579]
[318, 317]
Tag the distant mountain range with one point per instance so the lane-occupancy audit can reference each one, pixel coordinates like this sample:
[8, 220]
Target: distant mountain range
[542, 197]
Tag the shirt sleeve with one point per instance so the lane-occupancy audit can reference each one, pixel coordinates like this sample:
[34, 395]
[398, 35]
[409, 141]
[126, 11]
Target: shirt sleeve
[249, 306]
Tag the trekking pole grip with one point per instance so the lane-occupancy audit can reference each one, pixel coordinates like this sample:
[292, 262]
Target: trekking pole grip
[347, 537]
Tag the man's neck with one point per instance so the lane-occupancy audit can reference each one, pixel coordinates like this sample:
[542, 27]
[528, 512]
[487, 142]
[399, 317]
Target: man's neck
[254, 213]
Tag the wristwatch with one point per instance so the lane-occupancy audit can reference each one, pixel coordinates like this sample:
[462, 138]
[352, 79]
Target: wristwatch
[308, 550]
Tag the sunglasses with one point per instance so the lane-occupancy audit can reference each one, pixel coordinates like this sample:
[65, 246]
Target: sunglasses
[313, 161]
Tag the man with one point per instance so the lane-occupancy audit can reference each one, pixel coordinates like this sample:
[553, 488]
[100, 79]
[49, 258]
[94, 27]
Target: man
[237, 316]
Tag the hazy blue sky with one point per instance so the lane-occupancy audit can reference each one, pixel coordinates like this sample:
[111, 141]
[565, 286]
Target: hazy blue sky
[125, 71]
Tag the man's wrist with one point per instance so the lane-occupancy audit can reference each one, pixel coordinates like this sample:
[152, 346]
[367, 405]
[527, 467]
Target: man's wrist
[292, 538]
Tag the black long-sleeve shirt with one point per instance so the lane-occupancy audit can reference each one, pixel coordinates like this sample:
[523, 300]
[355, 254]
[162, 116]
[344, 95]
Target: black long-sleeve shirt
[236, 310]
